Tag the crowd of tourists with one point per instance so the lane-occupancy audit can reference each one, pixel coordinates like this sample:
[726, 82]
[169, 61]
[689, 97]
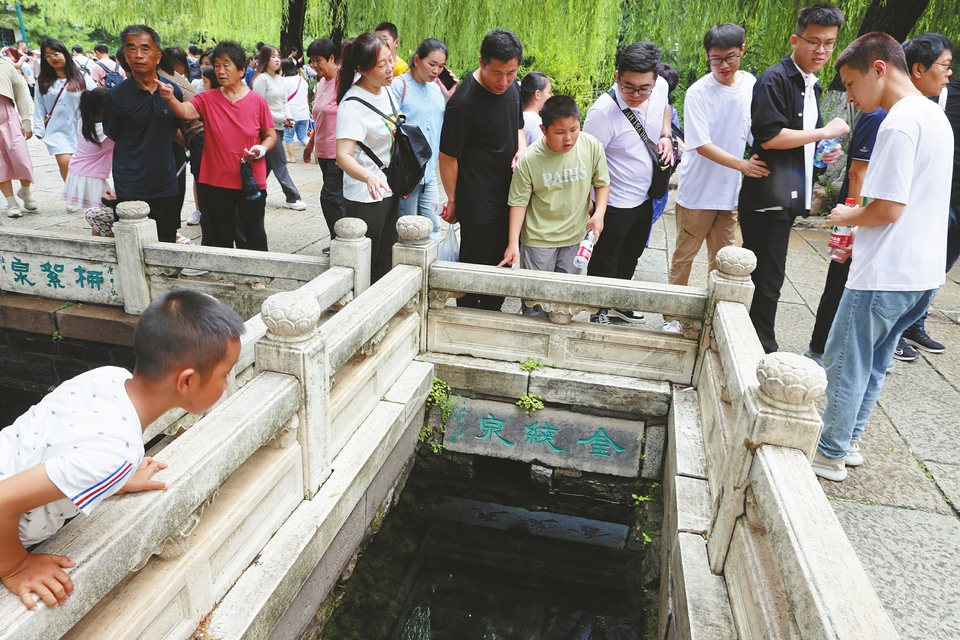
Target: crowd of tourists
[526, 183]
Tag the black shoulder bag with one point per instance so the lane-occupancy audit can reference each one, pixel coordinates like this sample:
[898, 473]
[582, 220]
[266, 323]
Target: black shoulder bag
[661, 174]
[411, 151]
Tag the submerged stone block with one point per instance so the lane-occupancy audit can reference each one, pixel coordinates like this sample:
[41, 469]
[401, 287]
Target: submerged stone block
[623, 394]
[553, 437]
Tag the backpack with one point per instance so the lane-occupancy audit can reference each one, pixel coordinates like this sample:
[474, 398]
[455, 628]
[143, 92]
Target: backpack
[113, 78]
[193, 69]
[411, 152]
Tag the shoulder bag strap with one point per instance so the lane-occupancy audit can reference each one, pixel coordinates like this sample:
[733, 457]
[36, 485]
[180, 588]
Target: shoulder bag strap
[296, 91]
[50, 113]
[632, 117]
[403, 96]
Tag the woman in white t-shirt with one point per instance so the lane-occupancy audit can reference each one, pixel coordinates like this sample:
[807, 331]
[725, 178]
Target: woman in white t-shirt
[299, 109]
[534, 91]
[372, 125]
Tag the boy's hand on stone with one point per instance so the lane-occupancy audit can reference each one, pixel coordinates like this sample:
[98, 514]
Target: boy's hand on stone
[44, 575]
[755, 167]
[141, 480]
[510, 256]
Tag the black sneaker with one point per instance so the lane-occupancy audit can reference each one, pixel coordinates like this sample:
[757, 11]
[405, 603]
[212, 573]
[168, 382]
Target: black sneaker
[632, 317]
[600, 317]
[918, 338]
[904, 353]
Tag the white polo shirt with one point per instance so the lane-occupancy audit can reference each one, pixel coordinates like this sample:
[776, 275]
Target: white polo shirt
[629, 162]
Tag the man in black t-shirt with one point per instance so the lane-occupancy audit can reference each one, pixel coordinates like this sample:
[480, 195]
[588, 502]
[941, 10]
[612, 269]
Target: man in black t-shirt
[481, 141]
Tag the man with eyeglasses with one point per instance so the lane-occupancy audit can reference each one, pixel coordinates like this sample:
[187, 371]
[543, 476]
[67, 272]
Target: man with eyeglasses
[786, 127]
[716, 112]
[640, 90]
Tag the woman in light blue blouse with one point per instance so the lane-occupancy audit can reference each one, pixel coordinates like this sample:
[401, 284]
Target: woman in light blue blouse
[56, 112]
[420, 97]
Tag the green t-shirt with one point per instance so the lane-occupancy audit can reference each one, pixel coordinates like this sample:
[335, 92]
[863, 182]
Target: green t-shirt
[555, 189]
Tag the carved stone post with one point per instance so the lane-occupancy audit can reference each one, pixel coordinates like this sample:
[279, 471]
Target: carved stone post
[417, 249]
[779, 411]
[352, 249]
[730, 281]
[133, 231]
[293, 345]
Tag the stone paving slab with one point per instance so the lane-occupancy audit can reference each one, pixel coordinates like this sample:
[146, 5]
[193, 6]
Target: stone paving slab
[889, 475]
[947, 477]
[911, 558]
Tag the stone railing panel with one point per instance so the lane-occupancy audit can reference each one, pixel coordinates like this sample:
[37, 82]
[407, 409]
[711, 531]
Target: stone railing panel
[262, 264]
[738, 347]
[124, 532]
[828, 590]
[579, 291]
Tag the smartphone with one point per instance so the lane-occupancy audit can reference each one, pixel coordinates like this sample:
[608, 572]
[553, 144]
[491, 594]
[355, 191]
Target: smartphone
[447, 79]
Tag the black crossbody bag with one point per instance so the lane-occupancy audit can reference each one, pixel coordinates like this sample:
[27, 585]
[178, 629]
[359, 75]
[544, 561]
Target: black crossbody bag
[411, 151]
[661, 174]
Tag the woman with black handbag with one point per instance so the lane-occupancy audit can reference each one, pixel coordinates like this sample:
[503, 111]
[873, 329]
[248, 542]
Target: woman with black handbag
[365, 144]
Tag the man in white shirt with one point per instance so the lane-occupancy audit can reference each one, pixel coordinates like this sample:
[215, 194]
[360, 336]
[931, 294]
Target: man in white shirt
[641, 90]
[900, 252]
[716, 113]
[79, 59]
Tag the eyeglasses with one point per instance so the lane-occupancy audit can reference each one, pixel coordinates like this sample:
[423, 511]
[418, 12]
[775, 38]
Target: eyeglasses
[730, 60]
[629, 91]
[945, 65]
[813, 45]
[52, 56]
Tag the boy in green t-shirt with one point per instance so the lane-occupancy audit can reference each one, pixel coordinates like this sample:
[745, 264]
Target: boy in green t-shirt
[550, 199]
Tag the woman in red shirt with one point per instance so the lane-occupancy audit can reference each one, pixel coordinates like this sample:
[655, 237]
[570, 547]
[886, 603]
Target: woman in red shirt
[238, 127]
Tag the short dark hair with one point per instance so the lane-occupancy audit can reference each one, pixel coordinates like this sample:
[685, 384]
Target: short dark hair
[211, 75]
[639, 57]
[820, 14]
[500, 45]
[288, 67]
[193, 49]
[357, 56]
[323, 48]
[173, 56]
[925, 49]
[862, 52]
[232, 50]
[139, 30]
[259, 46]
[101, 48]
[389, 27]
[531, 83]
[724, 36]
[671, 75]
[183, 328]
[76, 48]
[558, 107]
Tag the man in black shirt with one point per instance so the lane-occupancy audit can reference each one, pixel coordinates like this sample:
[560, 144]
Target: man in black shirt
[142, 125]
[787, 126]
[481, 141]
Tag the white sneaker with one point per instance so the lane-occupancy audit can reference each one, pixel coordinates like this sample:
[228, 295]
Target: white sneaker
[829, 468]
[183, 239]
[194, 218]
[72, 208]
[854, 458]
[193, 272]
[13, 211]
[28, 202]
[672, 327]
[299, 205]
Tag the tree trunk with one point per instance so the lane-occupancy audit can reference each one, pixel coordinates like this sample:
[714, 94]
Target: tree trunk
[291, 31]
[895, 17]
[338, 20]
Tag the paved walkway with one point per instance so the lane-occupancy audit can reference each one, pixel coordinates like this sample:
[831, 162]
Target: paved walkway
[897, 509]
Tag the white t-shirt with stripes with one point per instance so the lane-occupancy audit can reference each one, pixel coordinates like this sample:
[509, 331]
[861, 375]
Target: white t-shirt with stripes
[87, 435]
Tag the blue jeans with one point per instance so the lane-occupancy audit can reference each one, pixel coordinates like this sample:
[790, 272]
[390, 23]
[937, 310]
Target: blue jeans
[298, 130]
[420, 203]
[862, 339]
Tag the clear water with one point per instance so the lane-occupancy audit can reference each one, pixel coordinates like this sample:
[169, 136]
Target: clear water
[494, 559]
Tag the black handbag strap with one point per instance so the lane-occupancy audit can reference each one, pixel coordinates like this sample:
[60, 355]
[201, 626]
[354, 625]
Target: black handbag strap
[632, 117]
[397, 118]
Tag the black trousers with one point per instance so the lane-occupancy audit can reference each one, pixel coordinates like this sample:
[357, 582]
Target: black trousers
[767, 234]
[624, 237]
[228, 208]
[331, 195]
[381, 218]
[829, 302]
[166, 213]
[482, 244]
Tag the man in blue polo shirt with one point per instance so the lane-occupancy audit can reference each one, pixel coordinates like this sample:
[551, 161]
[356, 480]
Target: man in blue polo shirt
[142, 126]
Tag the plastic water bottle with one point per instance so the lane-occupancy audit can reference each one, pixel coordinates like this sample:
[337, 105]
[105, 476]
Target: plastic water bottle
[584, 251]
[840, 236]
[825, 146]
